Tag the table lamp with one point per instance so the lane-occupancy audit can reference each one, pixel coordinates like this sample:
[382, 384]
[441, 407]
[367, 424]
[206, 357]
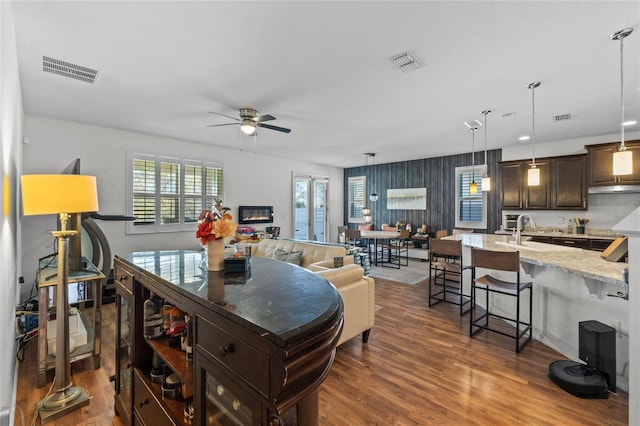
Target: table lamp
[60, 194]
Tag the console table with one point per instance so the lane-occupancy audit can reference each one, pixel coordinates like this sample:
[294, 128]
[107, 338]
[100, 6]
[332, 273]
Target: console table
[263, 341]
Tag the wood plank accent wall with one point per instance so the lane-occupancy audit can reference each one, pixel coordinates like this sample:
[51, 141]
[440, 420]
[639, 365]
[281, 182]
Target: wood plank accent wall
[438, 176]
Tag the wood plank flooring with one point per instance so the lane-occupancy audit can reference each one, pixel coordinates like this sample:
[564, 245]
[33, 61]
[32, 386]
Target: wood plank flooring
[419, 368]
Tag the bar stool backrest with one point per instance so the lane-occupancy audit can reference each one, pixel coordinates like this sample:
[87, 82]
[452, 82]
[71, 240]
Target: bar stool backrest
[445, 247]
[352, 236]
[499, 260]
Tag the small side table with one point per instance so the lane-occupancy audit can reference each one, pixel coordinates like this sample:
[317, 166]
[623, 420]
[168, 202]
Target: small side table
[420, 240]
[88, 287]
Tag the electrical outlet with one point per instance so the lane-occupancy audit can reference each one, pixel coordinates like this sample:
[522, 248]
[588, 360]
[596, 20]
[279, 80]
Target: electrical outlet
[561, 221]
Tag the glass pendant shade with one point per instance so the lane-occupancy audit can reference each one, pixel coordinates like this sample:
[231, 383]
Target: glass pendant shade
[473, 188]
[486, 184]
[366, 211]
[622, 163]
[373, 197]
[533, 176]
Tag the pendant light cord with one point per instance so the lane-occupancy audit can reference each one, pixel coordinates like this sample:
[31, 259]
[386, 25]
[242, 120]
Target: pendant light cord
[622, 147]
[533, 126]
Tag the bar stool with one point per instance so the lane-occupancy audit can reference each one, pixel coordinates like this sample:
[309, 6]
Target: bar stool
[445, 261]
[508, 261]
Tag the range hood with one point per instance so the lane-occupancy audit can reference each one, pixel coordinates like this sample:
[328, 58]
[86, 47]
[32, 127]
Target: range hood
[614, 189]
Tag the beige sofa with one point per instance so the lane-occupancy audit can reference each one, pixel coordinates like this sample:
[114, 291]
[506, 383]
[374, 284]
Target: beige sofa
[356, 290]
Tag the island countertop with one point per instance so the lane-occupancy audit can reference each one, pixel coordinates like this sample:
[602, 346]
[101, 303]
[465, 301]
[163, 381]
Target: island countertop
[585, 263]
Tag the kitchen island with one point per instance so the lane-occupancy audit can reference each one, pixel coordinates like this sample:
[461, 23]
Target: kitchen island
[569, 285]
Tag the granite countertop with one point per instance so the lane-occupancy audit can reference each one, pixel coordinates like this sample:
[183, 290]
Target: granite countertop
[586, 263]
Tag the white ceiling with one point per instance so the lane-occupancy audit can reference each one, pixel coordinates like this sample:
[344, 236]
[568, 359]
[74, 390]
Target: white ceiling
[323, 69]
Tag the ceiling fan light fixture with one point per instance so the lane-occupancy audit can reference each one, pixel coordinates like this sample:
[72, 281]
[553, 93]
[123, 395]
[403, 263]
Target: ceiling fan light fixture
[248, 127]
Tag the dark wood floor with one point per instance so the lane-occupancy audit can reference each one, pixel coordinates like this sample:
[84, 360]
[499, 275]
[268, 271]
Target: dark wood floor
[419, 368]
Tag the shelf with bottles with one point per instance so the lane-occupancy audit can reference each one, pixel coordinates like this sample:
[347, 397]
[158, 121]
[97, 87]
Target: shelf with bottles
[167, 331]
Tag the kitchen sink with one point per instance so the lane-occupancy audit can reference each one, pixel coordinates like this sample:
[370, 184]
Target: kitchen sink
[535, 246]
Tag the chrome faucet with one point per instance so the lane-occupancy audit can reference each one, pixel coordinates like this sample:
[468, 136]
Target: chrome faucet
[519, 225]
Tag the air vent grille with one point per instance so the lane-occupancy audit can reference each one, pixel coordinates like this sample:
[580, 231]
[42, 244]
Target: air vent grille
[561, 117]
[67, 69]
[406, 61]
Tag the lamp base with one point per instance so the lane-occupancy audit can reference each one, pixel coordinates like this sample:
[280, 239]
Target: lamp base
[60, 403]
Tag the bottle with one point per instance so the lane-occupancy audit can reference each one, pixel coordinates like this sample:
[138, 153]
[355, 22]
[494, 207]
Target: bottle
[189, 342]
[166, 309]
[152, 318]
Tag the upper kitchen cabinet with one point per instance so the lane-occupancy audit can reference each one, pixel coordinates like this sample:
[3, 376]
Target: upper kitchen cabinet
[601, 164]
[569, 186]
[563, 184]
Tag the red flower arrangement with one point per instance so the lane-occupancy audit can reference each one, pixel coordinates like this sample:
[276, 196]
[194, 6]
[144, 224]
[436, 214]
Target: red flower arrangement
[215, 223]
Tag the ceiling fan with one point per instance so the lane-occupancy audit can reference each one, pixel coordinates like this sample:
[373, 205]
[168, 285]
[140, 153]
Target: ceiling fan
[250, 121]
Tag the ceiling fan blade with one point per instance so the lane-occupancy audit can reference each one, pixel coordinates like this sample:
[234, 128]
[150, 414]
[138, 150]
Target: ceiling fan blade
[224, 115]
[276, 128]
[220, 125]
[265, 117]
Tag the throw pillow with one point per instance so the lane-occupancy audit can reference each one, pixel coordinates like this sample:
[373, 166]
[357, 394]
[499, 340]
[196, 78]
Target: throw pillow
[294, 257]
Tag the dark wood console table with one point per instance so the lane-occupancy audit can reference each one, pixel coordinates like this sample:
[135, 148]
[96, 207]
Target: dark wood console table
[263, 341]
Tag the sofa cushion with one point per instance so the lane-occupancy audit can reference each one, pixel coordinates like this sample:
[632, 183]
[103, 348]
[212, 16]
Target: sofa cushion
[294, 257]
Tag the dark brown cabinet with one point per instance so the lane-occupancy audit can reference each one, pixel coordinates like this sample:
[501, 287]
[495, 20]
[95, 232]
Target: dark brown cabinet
[563, 184]
[263, 342]
[601, 164]
[596, 244]
[569, 182]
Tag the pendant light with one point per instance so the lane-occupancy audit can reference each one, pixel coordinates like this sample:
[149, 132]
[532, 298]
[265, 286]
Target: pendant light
[533, 174]
[374, 195]
[622, 159]
[486, 180]
[366, 211]
[473, 186]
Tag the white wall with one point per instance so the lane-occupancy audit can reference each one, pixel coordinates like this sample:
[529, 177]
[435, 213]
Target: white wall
[249, 179]
[605, 210]
[11, 115]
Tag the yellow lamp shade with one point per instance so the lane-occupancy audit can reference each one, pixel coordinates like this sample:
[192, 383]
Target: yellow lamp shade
[533, 176]
[622, 163]
[473, 188]
[486, 184]
[53, 194]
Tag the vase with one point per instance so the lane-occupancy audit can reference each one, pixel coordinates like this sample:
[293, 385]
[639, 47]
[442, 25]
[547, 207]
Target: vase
[215, 255]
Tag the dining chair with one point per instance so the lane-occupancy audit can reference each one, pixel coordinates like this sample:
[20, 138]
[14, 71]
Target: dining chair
[509, 263]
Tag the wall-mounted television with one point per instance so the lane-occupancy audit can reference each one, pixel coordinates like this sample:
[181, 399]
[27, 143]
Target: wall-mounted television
[255, 214]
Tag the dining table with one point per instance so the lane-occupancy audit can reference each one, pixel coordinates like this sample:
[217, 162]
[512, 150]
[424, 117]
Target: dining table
[377, 258]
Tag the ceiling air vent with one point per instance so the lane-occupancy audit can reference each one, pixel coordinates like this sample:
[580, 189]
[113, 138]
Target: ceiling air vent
[561, 117]
[67, 69]
[406, 61]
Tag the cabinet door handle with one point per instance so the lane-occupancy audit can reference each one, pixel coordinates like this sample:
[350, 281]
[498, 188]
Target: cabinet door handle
[143, 403]
[224, 350]
[569, 242]
[122, 278]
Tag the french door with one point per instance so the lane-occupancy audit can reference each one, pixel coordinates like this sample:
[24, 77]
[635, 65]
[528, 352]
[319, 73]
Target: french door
[311, 204]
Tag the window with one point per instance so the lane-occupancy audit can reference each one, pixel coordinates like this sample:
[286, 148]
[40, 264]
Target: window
[357, 194]
[167, 194]
[471, 209]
